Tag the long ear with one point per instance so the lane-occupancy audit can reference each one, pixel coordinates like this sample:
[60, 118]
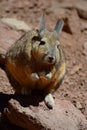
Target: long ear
[59, 26]
[42, 27]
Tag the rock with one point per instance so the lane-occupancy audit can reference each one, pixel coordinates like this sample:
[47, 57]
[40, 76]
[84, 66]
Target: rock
[71, 26]
[85, 49]
[84, 26]
[82, 9]
[78, 105]
[80, 6]
[16, 24]
[76, 69]
[7, 37]
[71, 18]
[5, 86]
[64, 116]
[85, 109]
[68, 12]
[72, 23]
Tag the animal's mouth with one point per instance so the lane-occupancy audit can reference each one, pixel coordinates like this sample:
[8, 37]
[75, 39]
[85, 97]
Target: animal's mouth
[49, 60]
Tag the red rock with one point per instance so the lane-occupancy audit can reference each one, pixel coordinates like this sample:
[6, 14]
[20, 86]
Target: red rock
[82, 9]
[80, 6]
[71, 26]
[85, 48]
[7, 37]
[64, 116]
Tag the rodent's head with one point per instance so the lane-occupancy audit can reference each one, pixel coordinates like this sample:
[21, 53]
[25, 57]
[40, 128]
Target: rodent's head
[45, 45]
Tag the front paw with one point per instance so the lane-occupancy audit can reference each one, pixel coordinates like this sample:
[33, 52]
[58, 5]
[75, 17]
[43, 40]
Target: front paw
[35, 76]
[49, 75]
[49, 100]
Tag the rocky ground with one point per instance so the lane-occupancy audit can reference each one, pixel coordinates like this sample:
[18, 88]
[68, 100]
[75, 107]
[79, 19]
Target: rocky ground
[73, 90]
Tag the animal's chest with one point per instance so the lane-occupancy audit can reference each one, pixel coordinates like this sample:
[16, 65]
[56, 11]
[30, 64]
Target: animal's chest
[23, 75]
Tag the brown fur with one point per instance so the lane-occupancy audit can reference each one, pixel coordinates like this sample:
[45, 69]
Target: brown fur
[35, 53]
[25, 57]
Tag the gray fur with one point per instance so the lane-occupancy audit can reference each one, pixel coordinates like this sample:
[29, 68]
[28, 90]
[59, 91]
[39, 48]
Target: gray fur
[59, 26]
[42, 27]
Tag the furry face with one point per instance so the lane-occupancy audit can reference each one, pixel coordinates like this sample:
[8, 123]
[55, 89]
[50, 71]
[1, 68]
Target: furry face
[45, 48]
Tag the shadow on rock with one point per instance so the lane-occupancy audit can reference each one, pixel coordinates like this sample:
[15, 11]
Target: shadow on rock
[25, 101]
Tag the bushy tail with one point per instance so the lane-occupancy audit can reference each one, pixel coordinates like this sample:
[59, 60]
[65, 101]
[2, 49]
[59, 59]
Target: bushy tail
[2, 61]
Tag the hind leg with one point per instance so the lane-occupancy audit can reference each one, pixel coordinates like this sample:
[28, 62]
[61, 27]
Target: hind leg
[49, 101]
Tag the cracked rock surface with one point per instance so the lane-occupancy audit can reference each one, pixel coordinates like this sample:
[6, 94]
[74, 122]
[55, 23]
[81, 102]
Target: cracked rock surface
[64, 116]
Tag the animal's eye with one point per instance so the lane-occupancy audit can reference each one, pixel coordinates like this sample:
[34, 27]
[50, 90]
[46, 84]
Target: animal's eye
[57, 46]
[36, 38]
[42, 43]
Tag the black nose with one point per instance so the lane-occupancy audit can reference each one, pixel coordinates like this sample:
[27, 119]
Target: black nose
[51, 59]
